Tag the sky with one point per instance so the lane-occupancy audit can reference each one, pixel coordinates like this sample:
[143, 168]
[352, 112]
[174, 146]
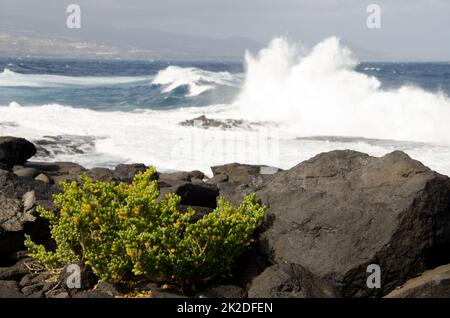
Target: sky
[410, 29]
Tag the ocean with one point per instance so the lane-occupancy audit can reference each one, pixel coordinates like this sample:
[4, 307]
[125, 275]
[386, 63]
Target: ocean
[278, 107]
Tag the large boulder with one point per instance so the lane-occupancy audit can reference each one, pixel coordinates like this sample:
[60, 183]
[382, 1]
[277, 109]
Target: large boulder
[341, 211]
[15, 151]
[431, 284]
[290, 281]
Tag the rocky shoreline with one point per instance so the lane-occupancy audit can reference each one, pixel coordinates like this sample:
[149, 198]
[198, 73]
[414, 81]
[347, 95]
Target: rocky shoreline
[328, 219]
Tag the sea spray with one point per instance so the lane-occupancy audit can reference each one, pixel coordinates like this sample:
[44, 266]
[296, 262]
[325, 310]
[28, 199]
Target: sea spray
[321, 93]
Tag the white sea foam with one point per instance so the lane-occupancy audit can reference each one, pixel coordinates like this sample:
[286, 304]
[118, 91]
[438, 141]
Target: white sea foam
[320, 93]
[197, 80]
[156, 138]
[151, 137]
[9, 78]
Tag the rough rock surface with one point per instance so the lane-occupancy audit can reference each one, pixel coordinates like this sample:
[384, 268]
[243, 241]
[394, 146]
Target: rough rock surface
[126, 172]
[101, 174]
[18, 199]
[290, 281]
[340, 211]
[431, 284]
[10, 289]
[58, 171]
[236, 180]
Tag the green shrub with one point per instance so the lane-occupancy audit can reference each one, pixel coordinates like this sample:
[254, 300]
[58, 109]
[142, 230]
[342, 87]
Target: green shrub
[125, 232]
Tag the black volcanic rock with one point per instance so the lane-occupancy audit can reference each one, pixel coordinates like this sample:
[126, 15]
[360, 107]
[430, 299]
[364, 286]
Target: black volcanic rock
[18, 200]
[58, 171]
[126, 172]
[340, 211]
[431, 284]
[290, 281]
[15, 151]
[100, 174]
[196, 194]
[206, 123]
[236, 180]
[10, 289]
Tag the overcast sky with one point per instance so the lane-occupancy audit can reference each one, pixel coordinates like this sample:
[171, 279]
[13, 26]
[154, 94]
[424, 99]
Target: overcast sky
[411, 29]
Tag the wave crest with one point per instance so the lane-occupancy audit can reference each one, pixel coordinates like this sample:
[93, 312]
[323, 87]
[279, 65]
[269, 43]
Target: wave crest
[197, 80]
[10, 78]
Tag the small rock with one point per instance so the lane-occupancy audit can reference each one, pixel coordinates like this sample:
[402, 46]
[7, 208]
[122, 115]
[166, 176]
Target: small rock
[29, 201]
[15, 272]
[26, 172]
[196, 174]
[43, 178]
[33, 289]
[175, 176]
[100, 174]
[64, 178]
[126, 172]
[57, 293]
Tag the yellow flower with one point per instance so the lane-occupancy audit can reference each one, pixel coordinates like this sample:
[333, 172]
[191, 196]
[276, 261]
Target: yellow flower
[136, 210]
[97, 220]
[75, 220]
[86, 209]
[172, 250]
[129, 252]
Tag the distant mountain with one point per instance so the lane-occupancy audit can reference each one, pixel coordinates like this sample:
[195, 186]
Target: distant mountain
[135, 43]
[142, 44]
